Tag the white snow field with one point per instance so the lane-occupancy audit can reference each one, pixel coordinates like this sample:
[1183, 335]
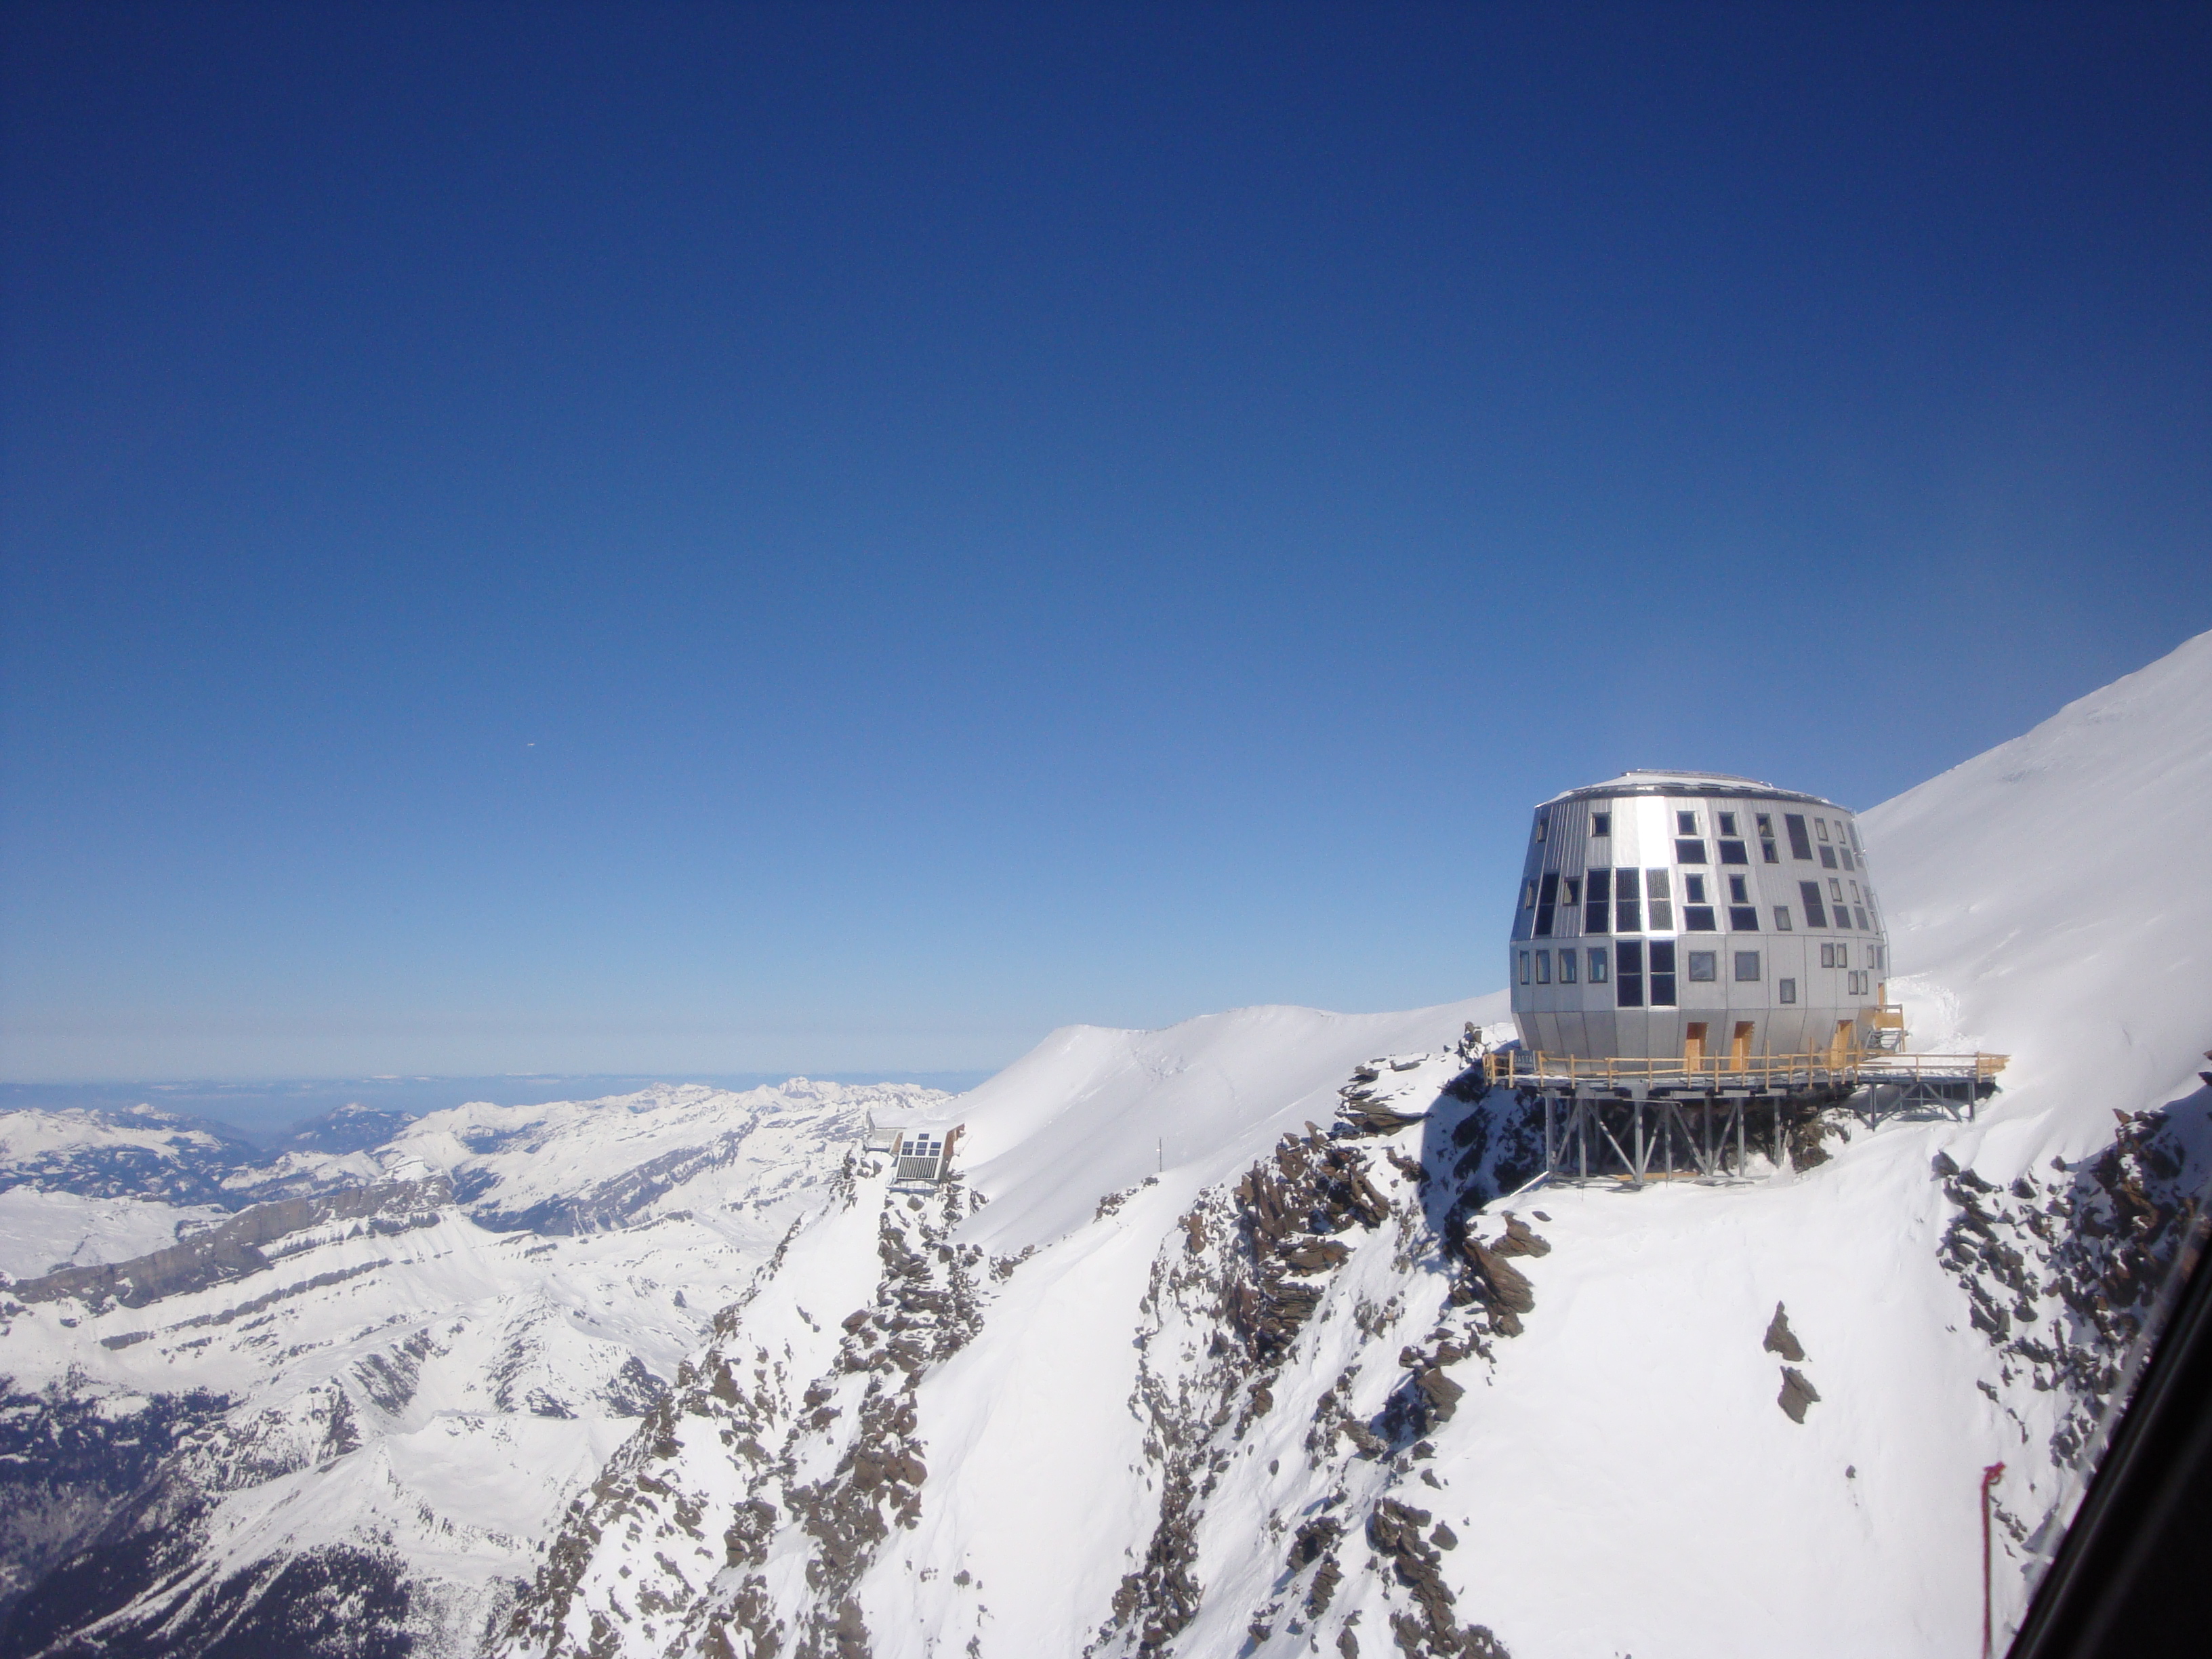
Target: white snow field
[1620, 1476]
[1146, 1378]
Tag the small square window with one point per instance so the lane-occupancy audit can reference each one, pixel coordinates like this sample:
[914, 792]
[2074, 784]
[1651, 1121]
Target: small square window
[1566, 967]
[1764, 821]
[1728, 824]
[1686, 824]
[1597, 964]
[1739, 890]
[1601, 823]
[1821, 827]
[1746, 967]
[1785, 990]
[1767, 854]
[1543, 967]
[1704, 967]
[1781, 918]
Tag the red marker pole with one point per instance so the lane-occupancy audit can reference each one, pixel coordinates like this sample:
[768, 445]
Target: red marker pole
[1990, 1477]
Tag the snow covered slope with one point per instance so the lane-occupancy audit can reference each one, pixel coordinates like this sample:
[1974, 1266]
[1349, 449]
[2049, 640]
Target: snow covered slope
[1320, 1390]
[376, 1396]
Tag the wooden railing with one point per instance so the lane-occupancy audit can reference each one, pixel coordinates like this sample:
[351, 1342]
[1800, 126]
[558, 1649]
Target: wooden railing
[1828, 1065]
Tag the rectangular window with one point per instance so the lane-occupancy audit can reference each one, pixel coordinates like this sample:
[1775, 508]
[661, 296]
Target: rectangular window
[1781, 918]
[1827, 956]
[1732, 852]
[1861, 916]
[1767, 854]
[1698, 919]
[1543, 967]
[1628, 974]
[1693, 889]
[1827, 858]
[1835, 889]
[1844, 854]
[1854, 890]
[1547, 901]
[1597, 906]
[1542, 824]
[1571, 890]
[1524, 967]
[1880, 957]
[1821, 827]
[1728, 824]
[1566, 967]
[1627, 912]
[1746, 967]
[1801, 844]
[1656, 889]
[1785, 990]
[1743, 918]
[1856, 848]
[1528, 895]
[1601, 823]
[1739, 890]
[1686, 824]
[1663, 973]
[1597, 964]
[1816, 913]
[1704, 967]
[1689, 851]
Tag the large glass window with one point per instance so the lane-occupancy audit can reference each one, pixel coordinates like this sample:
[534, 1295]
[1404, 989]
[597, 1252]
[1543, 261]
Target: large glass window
[1627, 910]
[1628, 972]
[1663, 973]
[1689, 851]
[1816, 912]
[1597, 964]
[1704, 967]
[1801, 844]
[1746, 967]
[1597, 902]
[1660, 893]
[1547, 901]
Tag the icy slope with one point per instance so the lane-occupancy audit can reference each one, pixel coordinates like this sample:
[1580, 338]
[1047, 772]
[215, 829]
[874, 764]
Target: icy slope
[1319, 1392]
[2050, 899]
[370, 1383]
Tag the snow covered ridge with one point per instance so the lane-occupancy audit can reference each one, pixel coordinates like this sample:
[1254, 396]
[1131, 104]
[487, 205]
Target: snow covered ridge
[1234, 1338]
[348, 1416]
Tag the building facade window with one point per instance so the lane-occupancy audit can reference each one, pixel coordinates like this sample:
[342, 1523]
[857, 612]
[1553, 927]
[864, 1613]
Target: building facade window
[1732, 852]
[1547, 901]
[1785, 990]
[1689, 851]
[1543, 967]
[1597, 905]
[1821, 827]
[1727, 824]
[1781, 918]
[1801, 844]
[1743, 918]
[1686, 824]
[1524, 967]
[1663, 973]
[1659, 893]
[1827, 858]
[1627, 908]
[1566, 967]
[1816, 913]
[1764, 821]
[1746, 967]
[1597, 964]
[1704, 967]
[1628, 972]
[1601, 823]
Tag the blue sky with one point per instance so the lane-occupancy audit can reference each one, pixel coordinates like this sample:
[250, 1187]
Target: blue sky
[656, 538]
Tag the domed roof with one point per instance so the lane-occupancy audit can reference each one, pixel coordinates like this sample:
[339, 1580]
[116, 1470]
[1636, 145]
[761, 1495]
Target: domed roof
[1641, 782]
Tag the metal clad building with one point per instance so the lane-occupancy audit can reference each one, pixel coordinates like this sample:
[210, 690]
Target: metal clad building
[1695, 915]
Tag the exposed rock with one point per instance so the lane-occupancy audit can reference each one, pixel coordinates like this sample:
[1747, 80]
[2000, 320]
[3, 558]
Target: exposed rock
[1780, 1340]
[1797, 1393]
